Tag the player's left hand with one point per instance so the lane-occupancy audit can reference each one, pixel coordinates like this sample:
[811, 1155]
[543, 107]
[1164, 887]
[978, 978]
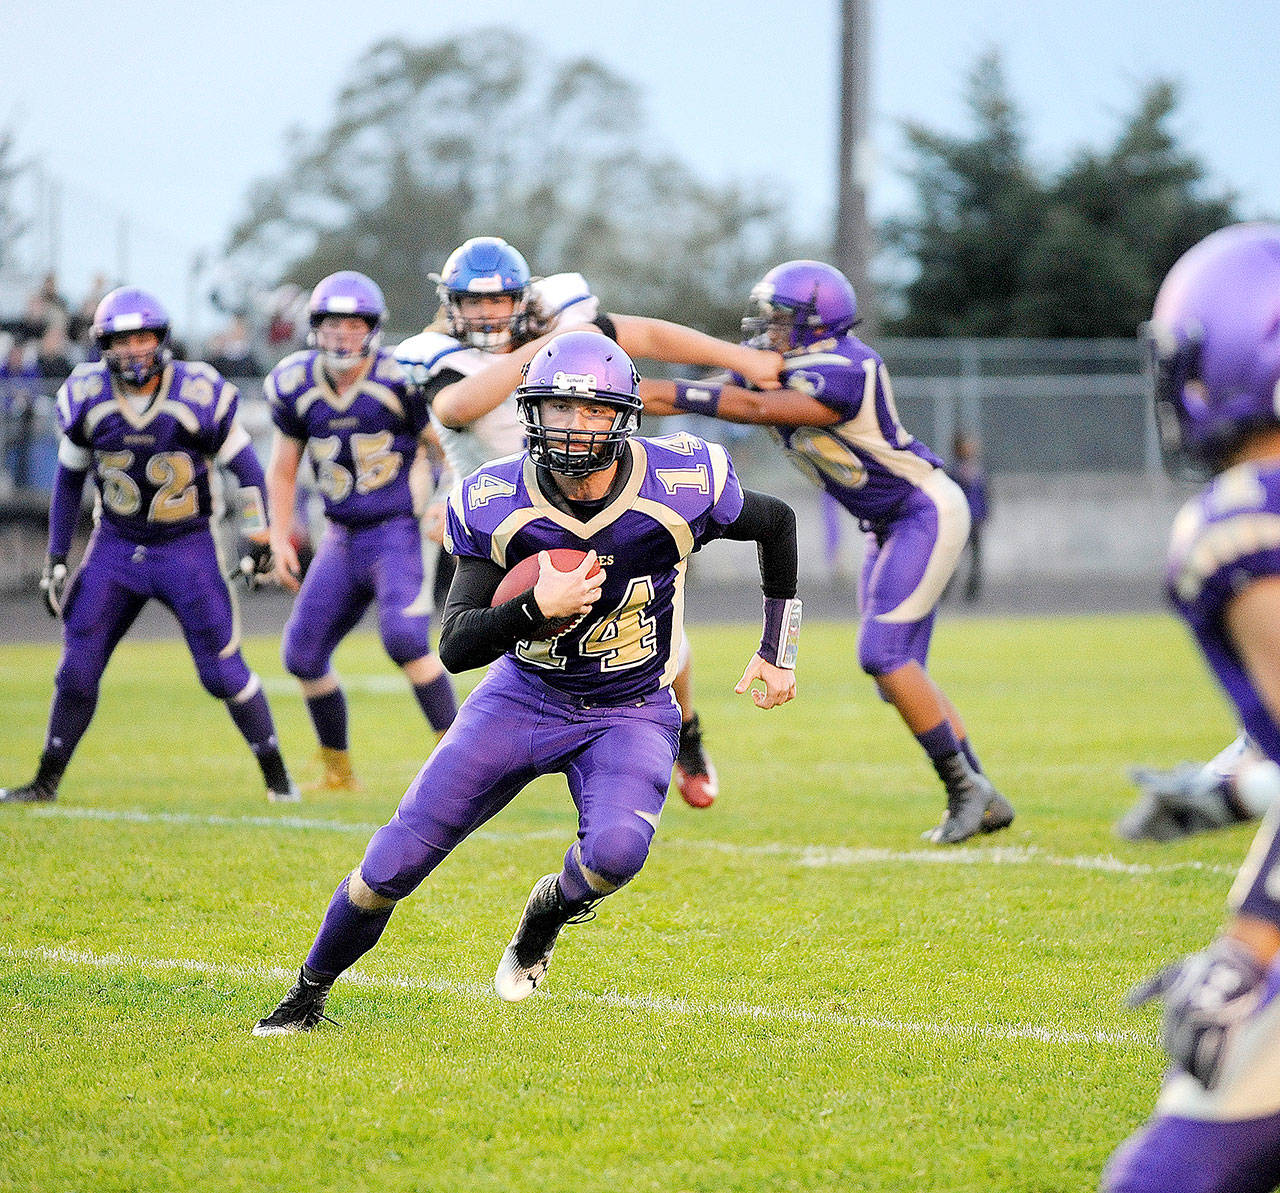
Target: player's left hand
[1207, 997]
[53, 583]
[255, 564]
[433, 520]
[760, 368]
[779, 683]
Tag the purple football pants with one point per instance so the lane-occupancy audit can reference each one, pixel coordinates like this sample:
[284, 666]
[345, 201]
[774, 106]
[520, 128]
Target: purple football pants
[512, 728]
[118, 576]
[381, 562]
[906, 568]
[1185, 1155]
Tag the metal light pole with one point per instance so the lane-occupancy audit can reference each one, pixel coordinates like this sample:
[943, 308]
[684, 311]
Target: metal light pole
[852, 232]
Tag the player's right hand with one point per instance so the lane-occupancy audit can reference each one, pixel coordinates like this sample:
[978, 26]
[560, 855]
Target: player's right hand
[53, 583]
[567, 594]
[1208, 997]
[287, 570]
[760, 368]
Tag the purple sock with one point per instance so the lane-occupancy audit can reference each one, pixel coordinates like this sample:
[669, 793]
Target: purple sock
[966, 748]
[573, 883]
[939, 743]
[68, 719]
[437, 702]
[329, 716]
[347, 933]
[253, 719]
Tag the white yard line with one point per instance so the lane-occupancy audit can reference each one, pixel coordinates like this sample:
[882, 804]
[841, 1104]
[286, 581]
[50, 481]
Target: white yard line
[647, 1004]
[801, 855]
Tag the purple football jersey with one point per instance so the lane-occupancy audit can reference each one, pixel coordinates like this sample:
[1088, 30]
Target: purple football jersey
[150, 461]
[867, 461]
[1225, 537]
[362, 443]
[682, 492]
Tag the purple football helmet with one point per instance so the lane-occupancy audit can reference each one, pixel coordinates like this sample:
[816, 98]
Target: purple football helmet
[798, 303]
[1213, 346]
[131, 309]
[347, 293]
[588, 366]
[484, 265]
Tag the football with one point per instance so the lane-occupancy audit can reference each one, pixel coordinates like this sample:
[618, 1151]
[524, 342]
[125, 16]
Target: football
[524, 576]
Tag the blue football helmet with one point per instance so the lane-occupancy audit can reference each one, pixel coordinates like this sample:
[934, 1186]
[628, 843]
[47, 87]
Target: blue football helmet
[1213, 347]
[585, 365]
[484, 265]
[798, 303]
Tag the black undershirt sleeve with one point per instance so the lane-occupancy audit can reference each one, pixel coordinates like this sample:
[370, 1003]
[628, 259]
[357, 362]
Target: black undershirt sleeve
[771, 522]
[433, 385]
[471, 633]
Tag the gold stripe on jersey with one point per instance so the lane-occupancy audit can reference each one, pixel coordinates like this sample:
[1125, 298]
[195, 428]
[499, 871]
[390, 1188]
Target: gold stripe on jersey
[611, 512]
[229, 395]
[677, 624]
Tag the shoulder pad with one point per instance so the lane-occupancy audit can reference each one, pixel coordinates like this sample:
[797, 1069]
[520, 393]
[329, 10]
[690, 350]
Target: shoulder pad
[564, 299]
[85, 383]
[292, 376]
[427, 353]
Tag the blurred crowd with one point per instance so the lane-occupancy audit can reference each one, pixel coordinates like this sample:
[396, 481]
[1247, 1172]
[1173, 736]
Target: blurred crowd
[50, 334]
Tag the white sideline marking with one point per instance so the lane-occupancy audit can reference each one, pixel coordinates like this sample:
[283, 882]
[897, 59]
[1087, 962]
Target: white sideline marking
[650, 1004]
[802, 855]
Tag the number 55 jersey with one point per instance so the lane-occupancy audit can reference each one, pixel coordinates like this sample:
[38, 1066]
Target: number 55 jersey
[362, 443]
[679, 493]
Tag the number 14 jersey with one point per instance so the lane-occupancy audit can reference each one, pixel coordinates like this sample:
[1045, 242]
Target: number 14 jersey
[681, 492]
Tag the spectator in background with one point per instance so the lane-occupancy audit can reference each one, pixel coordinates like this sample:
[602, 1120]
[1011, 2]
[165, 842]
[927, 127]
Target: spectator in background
[56, 355]
[967, 471]
[46, 307]
[230, 350]
[80, 327]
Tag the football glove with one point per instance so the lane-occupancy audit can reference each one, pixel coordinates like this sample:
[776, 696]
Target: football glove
[254, 565]
[53, 583]
[1207, 997]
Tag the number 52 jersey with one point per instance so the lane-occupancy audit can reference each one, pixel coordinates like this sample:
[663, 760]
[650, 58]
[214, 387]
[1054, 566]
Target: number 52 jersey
[150, 458]
[680, 493]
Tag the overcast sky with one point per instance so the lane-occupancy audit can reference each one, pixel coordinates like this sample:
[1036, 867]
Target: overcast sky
[154, 118]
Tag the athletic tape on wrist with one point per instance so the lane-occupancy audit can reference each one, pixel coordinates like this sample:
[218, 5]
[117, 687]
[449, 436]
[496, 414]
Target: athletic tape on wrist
[698, 397]
[781, 637]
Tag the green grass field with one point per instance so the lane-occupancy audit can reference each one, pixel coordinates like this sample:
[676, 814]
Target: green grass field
[794, 994]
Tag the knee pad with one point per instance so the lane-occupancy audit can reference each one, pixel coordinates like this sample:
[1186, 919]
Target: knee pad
[78, 676]
[225, 678]
[405, 639]
[615, 854]
[303, 656]
[884, 647]
[395, 861]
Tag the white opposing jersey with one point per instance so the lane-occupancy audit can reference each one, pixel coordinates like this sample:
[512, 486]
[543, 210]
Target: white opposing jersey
[557, 302]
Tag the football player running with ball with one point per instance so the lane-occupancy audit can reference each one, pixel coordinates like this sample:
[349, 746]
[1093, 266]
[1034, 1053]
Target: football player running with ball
[490, 310]
[1214, 341]
[349, 403]
[593, 703]
[147, 427]
[836, 420]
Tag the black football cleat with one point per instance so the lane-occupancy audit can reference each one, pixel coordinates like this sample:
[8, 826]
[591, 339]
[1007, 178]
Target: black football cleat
[302, 1009]
[528, 957]
[35, 792]
[695, 776]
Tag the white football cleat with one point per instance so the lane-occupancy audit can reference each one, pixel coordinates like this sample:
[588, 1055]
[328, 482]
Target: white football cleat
[527, 958]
